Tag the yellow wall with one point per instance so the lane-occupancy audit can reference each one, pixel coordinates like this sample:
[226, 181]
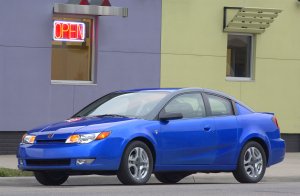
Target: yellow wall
[194, 55]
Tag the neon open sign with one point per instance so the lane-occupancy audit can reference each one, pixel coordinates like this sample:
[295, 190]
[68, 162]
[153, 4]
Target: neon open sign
[68, 31]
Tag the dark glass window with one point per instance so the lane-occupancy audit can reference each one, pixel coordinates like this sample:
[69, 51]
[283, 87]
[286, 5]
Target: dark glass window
[239, 56]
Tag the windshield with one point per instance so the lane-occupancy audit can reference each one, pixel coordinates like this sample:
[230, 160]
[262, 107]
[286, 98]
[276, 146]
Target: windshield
[132, 105]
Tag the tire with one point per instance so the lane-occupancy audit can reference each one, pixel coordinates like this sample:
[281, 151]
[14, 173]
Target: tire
[136, 165]
[251, 163]
[51, 178]
[170, 178]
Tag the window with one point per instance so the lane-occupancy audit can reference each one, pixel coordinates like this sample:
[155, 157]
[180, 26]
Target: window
[72, 50]
[136, 105]
[239, 56]
[189, 105]
[219, 106]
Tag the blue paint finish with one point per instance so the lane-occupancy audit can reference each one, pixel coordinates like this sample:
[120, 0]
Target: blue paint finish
[242, 110]
[227, 134]
[185, 142]
[179, 145]
[259, 126]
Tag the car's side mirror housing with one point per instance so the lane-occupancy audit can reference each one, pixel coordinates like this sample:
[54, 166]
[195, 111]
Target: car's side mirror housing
[163, 116]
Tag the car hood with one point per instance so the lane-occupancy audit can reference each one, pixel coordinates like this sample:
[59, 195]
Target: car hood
[62, 130]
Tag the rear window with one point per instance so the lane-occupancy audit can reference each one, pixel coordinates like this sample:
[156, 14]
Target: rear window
[219, 106]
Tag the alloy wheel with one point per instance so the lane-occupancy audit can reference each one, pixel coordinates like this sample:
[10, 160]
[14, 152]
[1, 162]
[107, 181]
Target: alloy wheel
[253, 162]
[138, 163]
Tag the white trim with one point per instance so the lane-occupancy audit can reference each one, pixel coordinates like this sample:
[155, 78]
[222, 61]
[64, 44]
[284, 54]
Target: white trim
[243, 30]
[73, 82]
[239, 79]
[259, 9]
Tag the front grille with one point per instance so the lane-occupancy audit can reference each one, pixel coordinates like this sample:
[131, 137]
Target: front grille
[48, 162]
[50, 141]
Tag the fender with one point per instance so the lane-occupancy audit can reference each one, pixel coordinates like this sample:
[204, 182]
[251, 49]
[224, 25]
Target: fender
[145, 134]
[250, 135]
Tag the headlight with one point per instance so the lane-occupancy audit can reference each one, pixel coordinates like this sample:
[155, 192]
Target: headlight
[28, 139]
[87, 138]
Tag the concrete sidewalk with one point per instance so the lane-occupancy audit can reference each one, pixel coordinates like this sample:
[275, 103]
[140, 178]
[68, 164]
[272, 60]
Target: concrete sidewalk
[9, 161]
[289, 168]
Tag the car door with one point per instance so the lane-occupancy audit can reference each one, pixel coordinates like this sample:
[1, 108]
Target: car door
[225, 123]
[188, 141]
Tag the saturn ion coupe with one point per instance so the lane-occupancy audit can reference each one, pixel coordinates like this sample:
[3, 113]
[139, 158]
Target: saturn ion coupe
[171, 133]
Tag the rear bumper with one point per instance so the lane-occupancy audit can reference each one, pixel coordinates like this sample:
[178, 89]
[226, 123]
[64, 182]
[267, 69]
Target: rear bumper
[106, 158]
[277, 152]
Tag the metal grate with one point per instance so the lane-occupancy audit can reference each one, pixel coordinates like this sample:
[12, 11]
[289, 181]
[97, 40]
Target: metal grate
[50, 141]
[49, 162]
[249, 20]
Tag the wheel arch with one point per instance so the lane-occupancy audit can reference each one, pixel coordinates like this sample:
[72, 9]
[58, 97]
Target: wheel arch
[261, 141]
[148, 142]
[263, 145]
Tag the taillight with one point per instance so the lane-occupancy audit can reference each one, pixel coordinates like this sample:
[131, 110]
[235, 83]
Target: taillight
[274, 119]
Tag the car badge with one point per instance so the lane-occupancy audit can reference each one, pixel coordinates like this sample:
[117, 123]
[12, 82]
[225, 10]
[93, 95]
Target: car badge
[50, 136]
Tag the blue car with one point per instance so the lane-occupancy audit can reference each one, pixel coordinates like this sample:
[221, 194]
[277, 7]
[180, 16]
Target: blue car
[171, 133]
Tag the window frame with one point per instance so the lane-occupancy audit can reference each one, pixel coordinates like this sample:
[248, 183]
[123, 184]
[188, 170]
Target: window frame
[196, 92]
[93, 53]
[244, 79]
[208, 108]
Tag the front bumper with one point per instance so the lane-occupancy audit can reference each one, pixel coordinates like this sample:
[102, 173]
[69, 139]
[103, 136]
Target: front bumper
[105, 153]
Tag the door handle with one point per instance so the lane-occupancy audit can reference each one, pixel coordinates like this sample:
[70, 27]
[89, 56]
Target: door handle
[207, 128]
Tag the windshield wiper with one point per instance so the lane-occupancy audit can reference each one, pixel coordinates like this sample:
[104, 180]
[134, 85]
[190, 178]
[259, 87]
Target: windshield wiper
[112, 115]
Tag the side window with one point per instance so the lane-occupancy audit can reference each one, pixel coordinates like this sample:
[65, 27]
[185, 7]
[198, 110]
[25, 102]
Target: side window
[219, 106]
[189, 105]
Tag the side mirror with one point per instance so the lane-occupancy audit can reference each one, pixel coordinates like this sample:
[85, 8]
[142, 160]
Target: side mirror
[169, 116]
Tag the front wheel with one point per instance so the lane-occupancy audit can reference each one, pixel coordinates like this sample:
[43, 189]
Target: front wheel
[251, 164]
[51, 178]
[136, 164]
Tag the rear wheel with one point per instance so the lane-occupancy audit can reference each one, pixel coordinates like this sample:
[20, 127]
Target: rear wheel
[170, 177]
[51, 178]
[136, 164]
[251, 164]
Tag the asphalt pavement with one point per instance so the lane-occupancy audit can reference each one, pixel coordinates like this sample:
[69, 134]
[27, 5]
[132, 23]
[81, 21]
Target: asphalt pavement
[280, 179]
